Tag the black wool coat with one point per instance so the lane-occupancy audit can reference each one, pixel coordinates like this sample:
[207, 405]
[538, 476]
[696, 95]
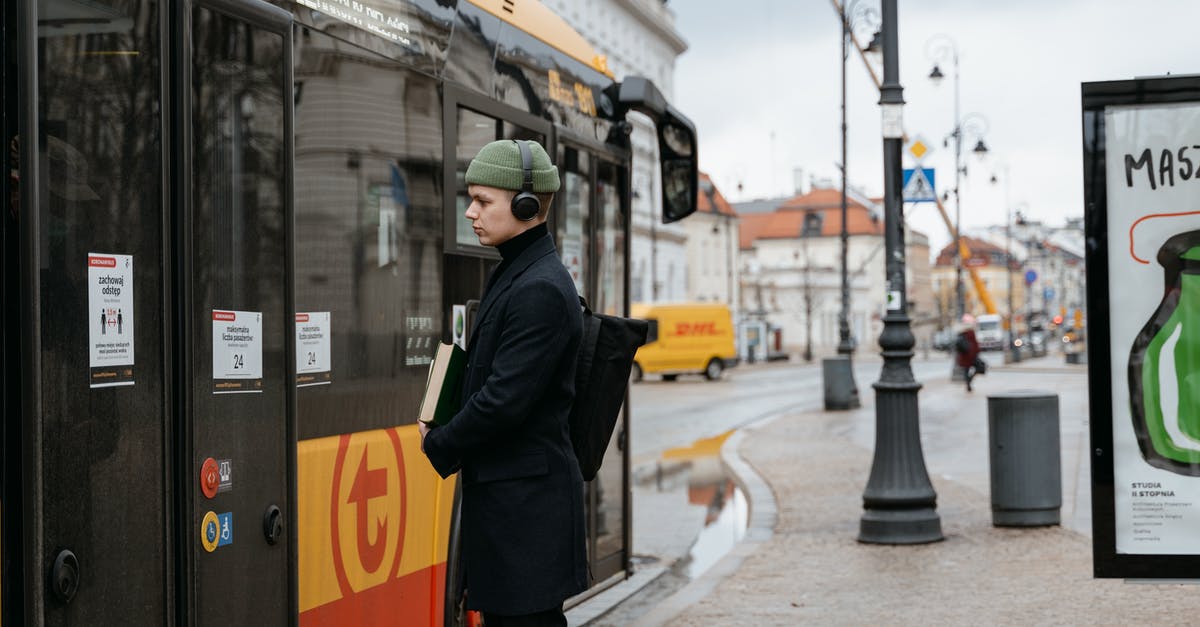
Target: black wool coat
[522, 493]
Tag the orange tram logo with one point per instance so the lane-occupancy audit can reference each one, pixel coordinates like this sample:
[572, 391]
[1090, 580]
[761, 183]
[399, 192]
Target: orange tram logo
[373, 530]
[362, 512]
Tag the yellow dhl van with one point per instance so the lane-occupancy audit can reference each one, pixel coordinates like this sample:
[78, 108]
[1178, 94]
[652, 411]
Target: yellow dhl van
[685, 338]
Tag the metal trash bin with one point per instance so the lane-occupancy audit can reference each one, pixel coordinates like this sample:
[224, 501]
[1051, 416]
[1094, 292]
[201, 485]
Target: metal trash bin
[1024, 458]
[838, 377]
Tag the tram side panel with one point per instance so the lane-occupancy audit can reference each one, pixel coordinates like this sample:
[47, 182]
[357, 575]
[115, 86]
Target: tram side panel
[374, 518]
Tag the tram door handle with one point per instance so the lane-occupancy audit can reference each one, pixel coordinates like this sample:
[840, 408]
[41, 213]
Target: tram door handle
[273, 524]
[64, 576]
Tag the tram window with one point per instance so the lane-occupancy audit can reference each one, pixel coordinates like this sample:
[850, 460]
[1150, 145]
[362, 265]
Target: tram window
[512, 131]
[475, 130]
[610, 241]
[475, 34]
[609, 253]
[368, 232]
[576, 200]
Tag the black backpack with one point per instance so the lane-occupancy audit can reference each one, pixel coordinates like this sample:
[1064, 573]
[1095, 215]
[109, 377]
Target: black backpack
[606, 352]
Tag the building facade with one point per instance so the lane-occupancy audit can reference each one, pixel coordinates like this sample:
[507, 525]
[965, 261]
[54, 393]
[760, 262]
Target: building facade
[1048, 280]
[791, 269]
[712, 249]
[638, 38]
[988, 262]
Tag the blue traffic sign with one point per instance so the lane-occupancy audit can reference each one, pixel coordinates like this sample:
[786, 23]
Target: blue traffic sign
[1030, 277]
[918, 185]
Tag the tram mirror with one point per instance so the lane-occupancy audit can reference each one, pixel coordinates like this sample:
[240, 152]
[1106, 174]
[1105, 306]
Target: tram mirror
[677, 139]
[679, 192]
[677, 149]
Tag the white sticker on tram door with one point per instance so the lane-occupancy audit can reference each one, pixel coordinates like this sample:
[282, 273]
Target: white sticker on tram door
[237, 352]
[312, 349]
[110, 319]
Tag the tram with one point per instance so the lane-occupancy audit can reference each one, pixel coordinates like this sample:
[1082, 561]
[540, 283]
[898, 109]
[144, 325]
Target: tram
[232, 241]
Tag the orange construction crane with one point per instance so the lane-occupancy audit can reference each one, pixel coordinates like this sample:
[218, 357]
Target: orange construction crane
[964, 252]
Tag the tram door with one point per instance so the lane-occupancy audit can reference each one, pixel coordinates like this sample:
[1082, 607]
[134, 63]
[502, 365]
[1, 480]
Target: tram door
[592, 235]
[235, 172]
[157, 411]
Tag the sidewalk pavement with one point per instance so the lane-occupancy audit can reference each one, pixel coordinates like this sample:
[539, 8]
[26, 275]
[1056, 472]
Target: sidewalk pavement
[801, 564]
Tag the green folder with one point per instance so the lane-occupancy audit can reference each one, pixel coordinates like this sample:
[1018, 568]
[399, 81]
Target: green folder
[440, 402]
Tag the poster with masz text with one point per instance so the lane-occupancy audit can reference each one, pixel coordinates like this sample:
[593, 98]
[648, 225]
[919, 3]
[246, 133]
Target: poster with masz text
[1153, 187]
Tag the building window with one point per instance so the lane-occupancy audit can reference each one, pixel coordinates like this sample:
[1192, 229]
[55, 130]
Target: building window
[812, 225]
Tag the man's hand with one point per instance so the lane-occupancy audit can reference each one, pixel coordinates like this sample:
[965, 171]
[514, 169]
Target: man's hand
[424, 430]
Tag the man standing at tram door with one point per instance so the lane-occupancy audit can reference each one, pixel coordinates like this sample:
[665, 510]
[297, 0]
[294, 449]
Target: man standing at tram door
[522, 520]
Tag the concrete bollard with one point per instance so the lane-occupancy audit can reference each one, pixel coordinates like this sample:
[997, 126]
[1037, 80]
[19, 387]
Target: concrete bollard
[838, 377]
[1024, 458]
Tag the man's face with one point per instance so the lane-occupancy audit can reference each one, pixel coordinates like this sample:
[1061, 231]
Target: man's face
[491, 216]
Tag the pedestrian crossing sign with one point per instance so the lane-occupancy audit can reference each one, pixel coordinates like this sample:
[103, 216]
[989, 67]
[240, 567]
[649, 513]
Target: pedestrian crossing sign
[918, 185]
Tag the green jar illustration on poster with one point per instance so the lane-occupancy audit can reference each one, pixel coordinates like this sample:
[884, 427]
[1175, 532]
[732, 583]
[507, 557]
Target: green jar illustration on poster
[1164, 365]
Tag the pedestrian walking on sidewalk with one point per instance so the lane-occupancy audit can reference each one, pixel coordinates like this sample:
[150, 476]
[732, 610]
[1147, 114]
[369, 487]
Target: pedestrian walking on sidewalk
[522, 519]
[966, 349]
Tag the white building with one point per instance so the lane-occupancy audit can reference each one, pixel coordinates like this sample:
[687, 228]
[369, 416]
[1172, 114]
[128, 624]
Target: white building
[638, 37]
[791, 270]
[712, 249]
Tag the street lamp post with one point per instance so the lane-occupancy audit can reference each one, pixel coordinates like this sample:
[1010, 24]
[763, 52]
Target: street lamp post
[841, 391]
[1013, 350]
[941, 48]
[850, 13]
[899, 503]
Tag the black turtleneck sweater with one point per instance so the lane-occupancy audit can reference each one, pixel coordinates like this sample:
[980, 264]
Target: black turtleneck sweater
[513, 248]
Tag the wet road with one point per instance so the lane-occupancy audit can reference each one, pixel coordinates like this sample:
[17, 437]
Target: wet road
[679, 484]
[670, 414]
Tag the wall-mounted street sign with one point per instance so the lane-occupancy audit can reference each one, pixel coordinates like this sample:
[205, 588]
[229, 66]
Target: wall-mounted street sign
[1142, 219]
[918, 185]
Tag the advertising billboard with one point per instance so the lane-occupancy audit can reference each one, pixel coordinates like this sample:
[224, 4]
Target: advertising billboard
[1142, 212]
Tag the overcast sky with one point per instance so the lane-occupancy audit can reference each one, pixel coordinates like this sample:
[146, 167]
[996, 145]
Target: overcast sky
[760, 67]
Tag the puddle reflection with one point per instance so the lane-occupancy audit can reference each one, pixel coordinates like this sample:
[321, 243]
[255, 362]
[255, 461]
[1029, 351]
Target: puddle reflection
[726, 512]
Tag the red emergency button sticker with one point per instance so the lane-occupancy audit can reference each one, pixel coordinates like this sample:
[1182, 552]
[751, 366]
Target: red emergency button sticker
[210, 478]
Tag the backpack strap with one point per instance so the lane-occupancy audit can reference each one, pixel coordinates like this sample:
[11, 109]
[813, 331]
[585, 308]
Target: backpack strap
[586, 356]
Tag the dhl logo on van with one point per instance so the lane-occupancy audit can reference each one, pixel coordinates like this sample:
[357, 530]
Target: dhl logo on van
[374, 524]
[695, 328]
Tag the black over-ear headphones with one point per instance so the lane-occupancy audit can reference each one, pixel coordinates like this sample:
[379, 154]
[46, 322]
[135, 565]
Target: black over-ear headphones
[525, 205]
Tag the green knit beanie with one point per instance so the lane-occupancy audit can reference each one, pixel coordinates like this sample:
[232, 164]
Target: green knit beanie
[498, 164]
